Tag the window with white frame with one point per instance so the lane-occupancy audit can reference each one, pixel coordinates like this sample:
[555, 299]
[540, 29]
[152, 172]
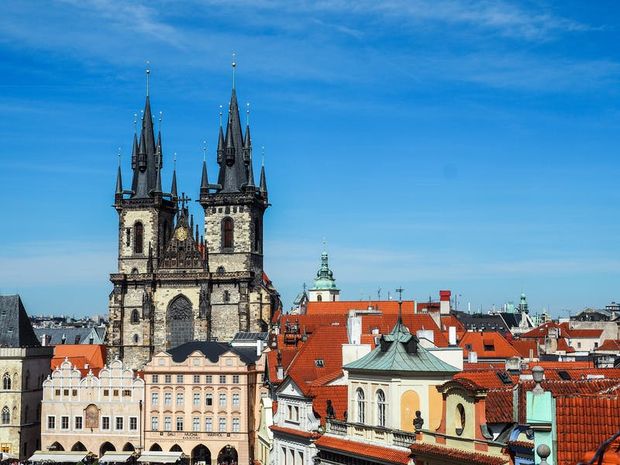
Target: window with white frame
[208, 424]
[78, 422]
[196, 424]
[222, 424]
[167, 398]
[167, 423]
[235, 399]
[236, 425]
[196, 398]
[119, 423]
[222, 399]
[180, 398]
[155, 398]
[196, 379]
[209, 399]
[381, 408]
[167, 379]
[64, 422]
[105, 423]
[179, 379]
[361, 405]
[222, 379]
[209, 379]
[154, 423]
[235, 379]
[133, 423]
[179, 423]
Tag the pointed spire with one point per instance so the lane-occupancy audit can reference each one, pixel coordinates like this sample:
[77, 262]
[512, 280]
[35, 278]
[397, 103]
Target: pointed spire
[173, 188]
[119, 177]
[197, 234]
[220, 146]
[158, 185]
[204, 183]
[263, 179]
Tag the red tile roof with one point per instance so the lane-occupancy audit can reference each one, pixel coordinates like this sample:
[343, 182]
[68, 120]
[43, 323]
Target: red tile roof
[499, 406]
[272, 362]
[421, 449]
[564, 331]
[583, 423]
[343, 306]
[337, 394]
[294, 432]
[320, 355]
[487, 345]
[612, 345]
[525, 347]
[363, 450]
[308, 324]
[83, 356]
[607, 454]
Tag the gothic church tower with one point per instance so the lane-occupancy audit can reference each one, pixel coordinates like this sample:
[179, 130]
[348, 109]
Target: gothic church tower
[172, 285]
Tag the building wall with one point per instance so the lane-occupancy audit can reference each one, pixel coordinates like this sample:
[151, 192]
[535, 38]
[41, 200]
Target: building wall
[27, 368]
[161, 417]
[73, 399]
[328, 295]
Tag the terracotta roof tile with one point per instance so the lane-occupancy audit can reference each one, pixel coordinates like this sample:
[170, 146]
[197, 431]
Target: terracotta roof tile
[80, 355]
[525, 347]
[606, 454]
[583, 423]
[610, 345]
[294, 432]
[344, 306]
[463, 457]
[337, 394]
[363, 450]
[487, 345]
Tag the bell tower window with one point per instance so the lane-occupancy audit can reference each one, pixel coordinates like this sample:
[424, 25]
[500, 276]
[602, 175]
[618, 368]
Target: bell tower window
[138, 243]
[228, 234]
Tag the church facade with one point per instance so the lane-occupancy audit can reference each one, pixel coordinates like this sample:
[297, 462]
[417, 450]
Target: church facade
[174, 284]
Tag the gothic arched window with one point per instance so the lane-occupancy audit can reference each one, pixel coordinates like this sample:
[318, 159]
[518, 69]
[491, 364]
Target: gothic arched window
[6, 415]
[319, 298]
[226, 296]
[6, 382]
[361, 405]
[381, 408]
[138, 243]
[136, 338]
[228, 233]
[180, 321]
[135, 317]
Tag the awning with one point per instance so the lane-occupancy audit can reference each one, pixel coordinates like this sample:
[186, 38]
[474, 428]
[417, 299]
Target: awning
[7, 456]
[58, 456]
[115, 457]
[160, 457]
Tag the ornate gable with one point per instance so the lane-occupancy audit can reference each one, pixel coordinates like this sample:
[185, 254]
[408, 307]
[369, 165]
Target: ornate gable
[182, 250]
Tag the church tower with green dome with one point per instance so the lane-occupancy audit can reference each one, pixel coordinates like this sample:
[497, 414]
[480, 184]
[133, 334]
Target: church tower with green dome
[324, 289]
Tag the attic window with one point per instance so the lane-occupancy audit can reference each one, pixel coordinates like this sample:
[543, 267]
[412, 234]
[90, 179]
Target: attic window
[489, 344]
[319, 362]
[504, 377]
[468, 346]
[563, 374]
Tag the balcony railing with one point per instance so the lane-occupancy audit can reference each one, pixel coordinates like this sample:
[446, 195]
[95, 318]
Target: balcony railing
[371, 433]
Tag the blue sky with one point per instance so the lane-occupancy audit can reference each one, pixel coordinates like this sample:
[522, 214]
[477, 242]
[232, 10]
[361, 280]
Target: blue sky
[469, 145]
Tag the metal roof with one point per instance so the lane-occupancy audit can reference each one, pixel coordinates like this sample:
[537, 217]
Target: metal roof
[16, 327]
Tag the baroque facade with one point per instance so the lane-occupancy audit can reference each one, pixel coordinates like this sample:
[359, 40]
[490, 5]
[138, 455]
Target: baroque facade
[174, 285]
[202, 399]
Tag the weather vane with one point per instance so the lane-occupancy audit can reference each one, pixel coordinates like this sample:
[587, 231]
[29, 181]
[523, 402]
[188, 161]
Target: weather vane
[148, 72]
[204, 150]
[234, 65]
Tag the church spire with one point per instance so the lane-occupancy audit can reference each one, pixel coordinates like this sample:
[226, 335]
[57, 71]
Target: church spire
[247, 150]
[146, 163]
[173, 188]
[263, 179]
[118, 193]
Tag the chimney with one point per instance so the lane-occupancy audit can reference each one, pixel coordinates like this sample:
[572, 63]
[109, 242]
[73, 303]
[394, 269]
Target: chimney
[427, 334]
[472, 357]
[452, 335]
[444, 302]
[354, 328]
[513, 365]
[43, 340]
[259, 347]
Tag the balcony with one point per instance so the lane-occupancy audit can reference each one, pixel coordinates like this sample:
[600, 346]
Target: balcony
[369, 433]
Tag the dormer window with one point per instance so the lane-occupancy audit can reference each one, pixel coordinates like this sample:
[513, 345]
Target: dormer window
[319, 362]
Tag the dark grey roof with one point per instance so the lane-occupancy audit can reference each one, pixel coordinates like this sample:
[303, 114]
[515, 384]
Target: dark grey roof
[212, 350]
[54, 336]
[245, 336]
[146, 163]
[233, 172]
[16, 327]
[482, 321]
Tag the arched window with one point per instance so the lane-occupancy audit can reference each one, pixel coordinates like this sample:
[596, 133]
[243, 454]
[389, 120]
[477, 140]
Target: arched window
[361, 406]
[459, 419]
[226, 296]
[381, 407]
[135, 317]
[6, 415]
[319, 298]
[136, 338]
[228, 233]
[138, 243]
[6, 382]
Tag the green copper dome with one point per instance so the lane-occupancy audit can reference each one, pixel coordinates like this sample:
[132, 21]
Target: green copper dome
[324, 277]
